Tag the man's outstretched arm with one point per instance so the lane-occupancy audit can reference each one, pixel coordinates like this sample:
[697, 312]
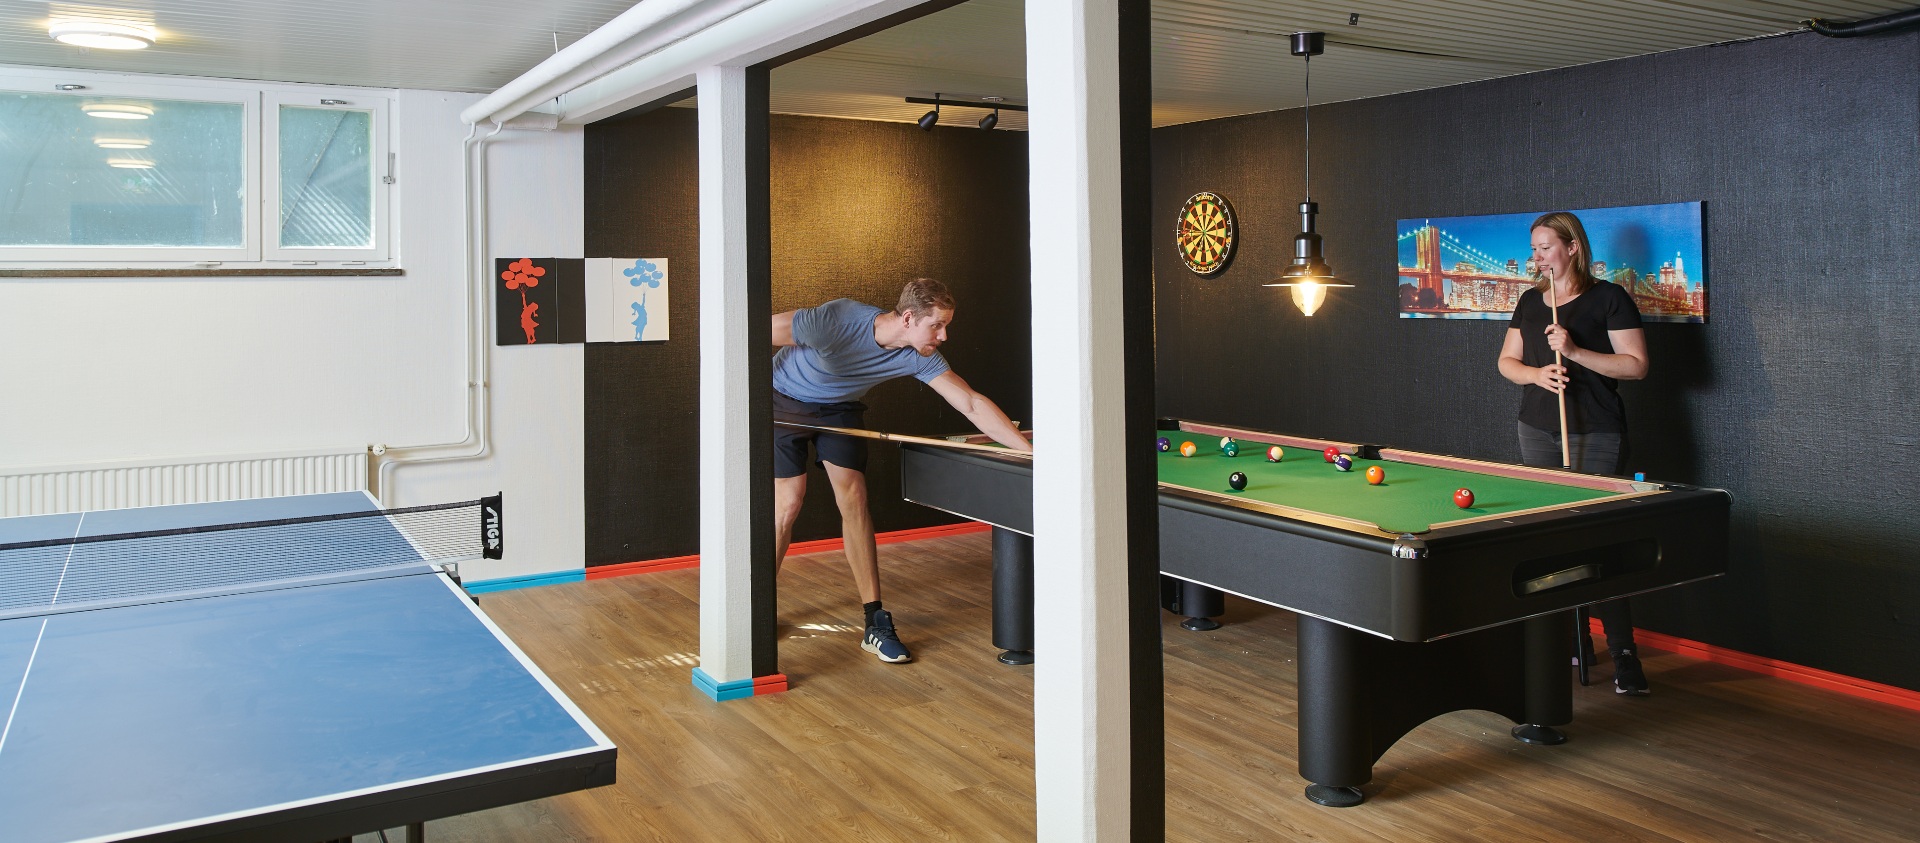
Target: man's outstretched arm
[980, 410]
[783, 329]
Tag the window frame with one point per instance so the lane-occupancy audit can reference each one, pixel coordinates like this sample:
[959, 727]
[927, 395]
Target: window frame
[271, 250]
[260, 129]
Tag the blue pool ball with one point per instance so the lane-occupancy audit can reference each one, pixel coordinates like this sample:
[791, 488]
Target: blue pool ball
[1237, 481]
[1163, 444]
[1343, 462]
[1231, 449]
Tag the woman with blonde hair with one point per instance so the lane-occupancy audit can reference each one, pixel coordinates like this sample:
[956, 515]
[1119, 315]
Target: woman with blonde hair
[1574, 337]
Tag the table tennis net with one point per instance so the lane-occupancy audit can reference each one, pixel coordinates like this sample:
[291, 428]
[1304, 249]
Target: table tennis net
[88, 569]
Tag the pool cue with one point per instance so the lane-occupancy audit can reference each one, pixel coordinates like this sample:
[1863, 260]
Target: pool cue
[902, 437]
[1553, 303]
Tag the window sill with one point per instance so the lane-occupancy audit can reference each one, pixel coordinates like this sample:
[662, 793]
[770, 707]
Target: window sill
[209, 272]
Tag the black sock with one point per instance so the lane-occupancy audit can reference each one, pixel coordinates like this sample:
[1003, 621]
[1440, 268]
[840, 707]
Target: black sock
[870, 609]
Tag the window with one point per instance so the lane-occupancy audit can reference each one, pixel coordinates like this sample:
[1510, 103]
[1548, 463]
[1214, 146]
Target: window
[97, 171]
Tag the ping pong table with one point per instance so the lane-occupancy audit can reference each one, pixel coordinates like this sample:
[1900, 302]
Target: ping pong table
[287, 685]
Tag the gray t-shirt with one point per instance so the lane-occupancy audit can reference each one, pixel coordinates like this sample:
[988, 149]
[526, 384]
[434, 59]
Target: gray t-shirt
[834, 357]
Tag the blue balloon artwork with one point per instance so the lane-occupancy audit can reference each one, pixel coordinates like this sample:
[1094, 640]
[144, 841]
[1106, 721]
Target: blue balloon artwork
[643, 273]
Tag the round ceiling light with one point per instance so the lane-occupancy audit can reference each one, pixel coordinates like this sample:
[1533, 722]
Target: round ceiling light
[101, 35]
[117, 110]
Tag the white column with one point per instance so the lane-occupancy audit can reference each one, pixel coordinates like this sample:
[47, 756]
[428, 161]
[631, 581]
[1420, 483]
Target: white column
[726, 494]
[1081, 728]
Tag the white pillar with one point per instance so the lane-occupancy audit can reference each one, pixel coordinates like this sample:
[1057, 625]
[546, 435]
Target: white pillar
[726, 489]
[1081, 711]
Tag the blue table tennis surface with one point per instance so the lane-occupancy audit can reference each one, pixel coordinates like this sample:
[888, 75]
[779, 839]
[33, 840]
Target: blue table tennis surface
[186, 698]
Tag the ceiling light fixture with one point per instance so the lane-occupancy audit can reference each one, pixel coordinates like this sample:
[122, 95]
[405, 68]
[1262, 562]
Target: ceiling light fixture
[129, 163]
[122, 143]
[117, 110]
[993, 104]
[102, 35]
[1308, 273]
[930, 118]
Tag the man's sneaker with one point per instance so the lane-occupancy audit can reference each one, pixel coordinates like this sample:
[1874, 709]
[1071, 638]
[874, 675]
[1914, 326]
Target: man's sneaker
[1628, 678]
[882, 641]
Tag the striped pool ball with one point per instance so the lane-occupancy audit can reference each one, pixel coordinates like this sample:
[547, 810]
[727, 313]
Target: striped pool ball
[1237, 481]
[1163, 444]
[1274, 453]
[1225, 441]
[1188, 449]
[1343, 462]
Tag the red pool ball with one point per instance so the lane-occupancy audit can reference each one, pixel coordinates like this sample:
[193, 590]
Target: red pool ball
[1330, 453]
[1463, 498]
[1274, 453]
[1376, 475]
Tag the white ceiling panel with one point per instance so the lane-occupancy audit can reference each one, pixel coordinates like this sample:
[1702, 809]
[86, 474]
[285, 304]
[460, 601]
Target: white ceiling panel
[1211, 58]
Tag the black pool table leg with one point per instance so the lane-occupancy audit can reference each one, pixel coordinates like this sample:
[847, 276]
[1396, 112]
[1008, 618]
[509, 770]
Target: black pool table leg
[1013, 596]
[1335, 712]
[1549, 696]
[1199, 603]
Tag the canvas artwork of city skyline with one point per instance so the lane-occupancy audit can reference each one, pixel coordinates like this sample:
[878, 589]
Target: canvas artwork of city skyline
[1477, 267]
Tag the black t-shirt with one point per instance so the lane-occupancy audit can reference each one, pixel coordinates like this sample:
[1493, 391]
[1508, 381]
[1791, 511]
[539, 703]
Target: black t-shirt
[1593, 400]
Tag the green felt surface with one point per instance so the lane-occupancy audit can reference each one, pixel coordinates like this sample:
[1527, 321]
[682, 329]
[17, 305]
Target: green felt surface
[1413, 497]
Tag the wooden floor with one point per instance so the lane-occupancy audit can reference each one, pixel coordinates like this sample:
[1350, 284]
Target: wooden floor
[942, 749]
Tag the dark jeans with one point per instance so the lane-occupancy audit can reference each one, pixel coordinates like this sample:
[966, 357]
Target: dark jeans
[1592, 453]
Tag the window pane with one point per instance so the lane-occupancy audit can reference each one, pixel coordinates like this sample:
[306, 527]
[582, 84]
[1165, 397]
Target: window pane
[326, 178]
[121, 171]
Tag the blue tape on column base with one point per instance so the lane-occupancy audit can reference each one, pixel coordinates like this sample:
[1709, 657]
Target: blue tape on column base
[721, 691]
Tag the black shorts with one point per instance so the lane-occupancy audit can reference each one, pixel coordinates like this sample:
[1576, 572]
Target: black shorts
[790, 443]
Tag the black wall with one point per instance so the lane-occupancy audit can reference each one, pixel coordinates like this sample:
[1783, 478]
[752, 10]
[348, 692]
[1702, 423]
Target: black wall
[859, 208]
[1797, 395]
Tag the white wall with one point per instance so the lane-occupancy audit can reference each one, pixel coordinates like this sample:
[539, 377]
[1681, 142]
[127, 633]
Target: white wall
[118, 369]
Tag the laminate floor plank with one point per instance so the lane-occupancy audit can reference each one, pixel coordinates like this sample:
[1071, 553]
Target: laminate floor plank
[942, 748]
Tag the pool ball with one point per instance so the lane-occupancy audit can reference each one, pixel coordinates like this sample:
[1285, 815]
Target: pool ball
[1330, 453]
[1163, 444]
[1376, 475]
[1343, 462]
[1225, 441]
[1274, 453]
[1463, 498]
[1231, 449]
[1188, 449]
[1237, 481]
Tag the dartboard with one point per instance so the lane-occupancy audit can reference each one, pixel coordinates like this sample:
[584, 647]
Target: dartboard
[1206, 237]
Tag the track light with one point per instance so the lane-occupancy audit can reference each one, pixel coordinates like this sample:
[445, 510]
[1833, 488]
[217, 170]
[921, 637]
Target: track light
[992, 104]
[930, 118]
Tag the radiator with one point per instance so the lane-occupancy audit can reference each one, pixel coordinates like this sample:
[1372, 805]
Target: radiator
[42, 490]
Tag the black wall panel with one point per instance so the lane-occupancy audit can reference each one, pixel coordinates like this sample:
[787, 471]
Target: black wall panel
[1797, 396]
[859, 208]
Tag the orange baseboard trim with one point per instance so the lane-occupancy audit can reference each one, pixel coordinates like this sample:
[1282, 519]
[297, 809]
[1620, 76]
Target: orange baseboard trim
[600, 572]
[1828, 680]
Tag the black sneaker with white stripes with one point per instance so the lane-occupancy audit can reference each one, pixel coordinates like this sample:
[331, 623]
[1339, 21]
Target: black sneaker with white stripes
[882, 641]
[1628, 678]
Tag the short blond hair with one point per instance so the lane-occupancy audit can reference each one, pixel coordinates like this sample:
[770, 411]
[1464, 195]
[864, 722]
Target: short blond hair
[922, 295]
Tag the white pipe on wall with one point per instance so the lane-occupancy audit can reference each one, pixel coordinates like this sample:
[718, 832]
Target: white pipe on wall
[646, 28]
[479, 280]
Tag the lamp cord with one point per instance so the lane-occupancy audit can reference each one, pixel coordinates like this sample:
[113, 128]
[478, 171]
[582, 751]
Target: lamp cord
[1307, 113]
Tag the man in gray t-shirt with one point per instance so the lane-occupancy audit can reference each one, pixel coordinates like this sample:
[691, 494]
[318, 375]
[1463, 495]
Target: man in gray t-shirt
[829, 357]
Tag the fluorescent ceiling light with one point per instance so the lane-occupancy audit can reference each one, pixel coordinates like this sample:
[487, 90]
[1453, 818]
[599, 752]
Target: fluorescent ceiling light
[101, 35]
[130, 163]
[122, 143]
[118, 110]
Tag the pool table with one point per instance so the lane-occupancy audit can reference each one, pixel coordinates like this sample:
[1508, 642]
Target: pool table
[1409, 606]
